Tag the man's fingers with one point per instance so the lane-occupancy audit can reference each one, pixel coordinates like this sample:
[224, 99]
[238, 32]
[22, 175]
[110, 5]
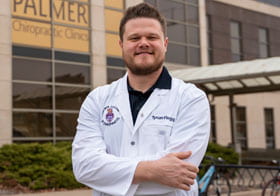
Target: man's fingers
[185, 187]
[193, 168]
[183, 155]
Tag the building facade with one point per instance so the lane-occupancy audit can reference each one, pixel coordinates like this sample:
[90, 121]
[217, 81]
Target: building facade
[54, 52]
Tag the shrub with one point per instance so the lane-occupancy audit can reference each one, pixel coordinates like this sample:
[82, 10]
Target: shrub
[215, 150]
[46, 166]
[37, 166]
[227, 153]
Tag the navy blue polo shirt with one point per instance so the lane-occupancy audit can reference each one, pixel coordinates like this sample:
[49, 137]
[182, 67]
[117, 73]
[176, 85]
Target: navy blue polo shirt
[137, 99]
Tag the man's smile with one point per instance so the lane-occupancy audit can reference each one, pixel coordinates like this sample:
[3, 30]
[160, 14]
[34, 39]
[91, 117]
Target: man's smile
[144, 53]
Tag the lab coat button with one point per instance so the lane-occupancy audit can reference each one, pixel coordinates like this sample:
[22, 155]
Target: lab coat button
[132, 143]
[142, 115]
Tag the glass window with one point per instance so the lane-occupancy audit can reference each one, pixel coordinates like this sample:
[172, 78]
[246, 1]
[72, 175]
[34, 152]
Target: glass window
[70, 98]
[176, 53]
[213, 135]
[66, 124]
[74, 57]
[33, 70]
[192, 14]
[176, 32]
[235, 46]
[269, 128]
[32, 96]
[114, 74]
[193, 35]
[118, 62]
[172, 10]
[32, 124]
[194, 56]
[31, 52]
[263, 43]
[241, 127]
[69, 73]
[182, 30]
[235, 34]
[193, 1]
[209, 39]
[51, 78]
[234, 29]
[113, 50]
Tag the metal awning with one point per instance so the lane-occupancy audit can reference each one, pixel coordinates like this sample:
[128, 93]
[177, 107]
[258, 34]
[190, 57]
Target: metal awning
[261, 75]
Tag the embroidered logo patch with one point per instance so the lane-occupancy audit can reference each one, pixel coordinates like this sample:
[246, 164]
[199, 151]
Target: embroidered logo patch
[110, 115]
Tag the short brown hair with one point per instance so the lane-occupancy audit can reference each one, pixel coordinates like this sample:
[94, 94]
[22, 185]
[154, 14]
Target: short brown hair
[142, 10]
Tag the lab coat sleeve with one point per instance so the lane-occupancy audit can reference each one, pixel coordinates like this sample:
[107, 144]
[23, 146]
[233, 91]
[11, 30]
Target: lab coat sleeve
[190, 133]
[92, 166]
[191, 128]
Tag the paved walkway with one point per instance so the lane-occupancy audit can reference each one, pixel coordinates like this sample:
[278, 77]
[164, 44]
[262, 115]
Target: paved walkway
[55, 193]
[89, 193]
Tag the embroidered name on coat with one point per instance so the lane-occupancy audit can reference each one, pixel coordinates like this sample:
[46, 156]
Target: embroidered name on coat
[163, 118]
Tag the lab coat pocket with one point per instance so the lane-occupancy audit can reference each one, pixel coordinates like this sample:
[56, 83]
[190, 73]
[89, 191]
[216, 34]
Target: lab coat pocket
[154, 138]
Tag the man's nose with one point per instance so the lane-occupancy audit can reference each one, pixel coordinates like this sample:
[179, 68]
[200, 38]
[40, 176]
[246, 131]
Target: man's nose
[143, 42]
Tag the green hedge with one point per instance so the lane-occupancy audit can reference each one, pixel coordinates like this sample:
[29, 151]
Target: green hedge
[214, 150]
[37, 166]
[227, 153]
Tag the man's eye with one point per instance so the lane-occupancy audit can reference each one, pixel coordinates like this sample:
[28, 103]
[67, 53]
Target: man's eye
[152, 38]
[134, 38]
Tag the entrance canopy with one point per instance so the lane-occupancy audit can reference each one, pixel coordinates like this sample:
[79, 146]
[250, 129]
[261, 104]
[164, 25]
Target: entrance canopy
[261, 75]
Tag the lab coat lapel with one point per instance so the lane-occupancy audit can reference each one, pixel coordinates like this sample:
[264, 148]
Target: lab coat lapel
[123, 103]
[153, 101]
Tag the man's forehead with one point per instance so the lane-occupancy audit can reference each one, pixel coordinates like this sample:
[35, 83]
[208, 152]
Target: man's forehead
[139, 25]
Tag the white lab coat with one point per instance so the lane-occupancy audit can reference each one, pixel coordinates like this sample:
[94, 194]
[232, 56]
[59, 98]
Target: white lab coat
[107, 147]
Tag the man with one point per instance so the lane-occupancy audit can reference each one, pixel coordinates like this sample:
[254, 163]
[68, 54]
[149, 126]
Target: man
[146, 133]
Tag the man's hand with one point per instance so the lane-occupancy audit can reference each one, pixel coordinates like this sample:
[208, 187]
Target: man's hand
[170, 170]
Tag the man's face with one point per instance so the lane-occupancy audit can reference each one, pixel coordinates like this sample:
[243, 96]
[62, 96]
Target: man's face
[144, 45]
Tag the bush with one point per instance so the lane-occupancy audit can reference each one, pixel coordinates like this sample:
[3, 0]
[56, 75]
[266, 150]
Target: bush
[227, 153]
[214, 150]
[37, 166]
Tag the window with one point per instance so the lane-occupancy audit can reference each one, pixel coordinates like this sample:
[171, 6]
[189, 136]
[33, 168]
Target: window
[241, 127]
[213, 135]
[113, 14]
[235, 40]
[209, 38]
[47, 92]
[269, 128]
[263, 43]
[51, 68]
[182, 30]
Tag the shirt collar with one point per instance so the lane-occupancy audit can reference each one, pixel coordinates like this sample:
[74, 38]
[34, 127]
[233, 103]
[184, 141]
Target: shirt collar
[163, 81]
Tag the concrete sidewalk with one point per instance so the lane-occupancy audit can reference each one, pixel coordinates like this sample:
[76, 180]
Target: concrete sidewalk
[89, 193]
[55, 193]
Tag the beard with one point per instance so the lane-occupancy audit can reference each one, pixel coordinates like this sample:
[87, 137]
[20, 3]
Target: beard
[143, 70]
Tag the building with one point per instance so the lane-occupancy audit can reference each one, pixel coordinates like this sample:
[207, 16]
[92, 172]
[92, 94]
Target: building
[53, 52]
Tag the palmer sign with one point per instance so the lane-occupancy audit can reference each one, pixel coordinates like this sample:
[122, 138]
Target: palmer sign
[32, 24]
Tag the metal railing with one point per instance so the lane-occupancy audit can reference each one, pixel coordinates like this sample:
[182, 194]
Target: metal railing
[246, 177]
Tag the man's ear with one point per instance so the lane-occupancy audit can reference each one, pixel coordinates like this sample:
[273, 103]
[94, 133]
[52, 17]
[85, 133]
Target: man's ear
[121, 43]
[166, 43]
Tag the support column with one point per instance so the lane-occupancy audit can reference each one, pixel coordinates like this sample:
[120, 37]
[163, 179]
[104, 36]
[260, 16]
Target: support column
[236, 144]
[203, 33]
[5, 73]
[98, 49]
